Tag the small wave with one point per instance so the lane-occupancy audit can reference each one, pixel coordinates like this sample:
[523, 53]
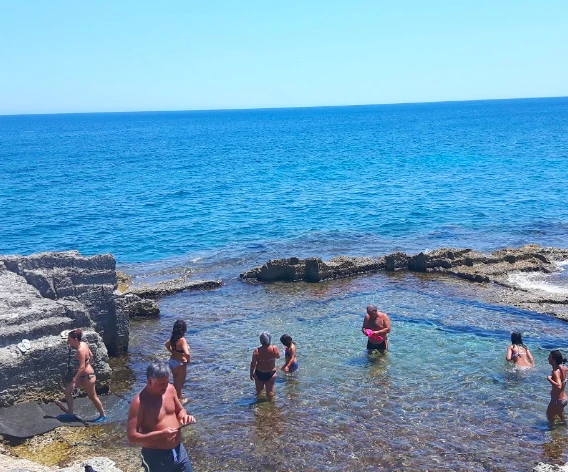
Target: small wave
[540, 282]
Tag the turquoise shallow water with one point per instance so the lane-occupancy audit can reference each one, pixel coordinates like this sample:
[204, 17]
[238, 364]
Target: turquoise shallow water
[443, 398]
[220, 192]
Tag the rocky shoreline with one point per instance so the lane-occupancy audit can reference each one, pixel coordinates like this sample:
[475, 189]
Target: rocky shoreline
[492, 271]
[43, 295]
[98, 464]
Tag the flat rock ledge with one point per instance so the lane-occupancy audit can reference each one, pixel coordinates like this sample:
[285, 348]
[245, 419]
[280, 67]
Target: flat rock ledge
[492, 270]
[169, 287]
[462, 263]
[14, 464]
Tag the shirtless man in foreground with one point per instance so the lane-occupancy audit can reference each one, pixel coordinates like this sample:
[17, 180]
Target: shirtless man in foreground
[376, 326]
[154, 421]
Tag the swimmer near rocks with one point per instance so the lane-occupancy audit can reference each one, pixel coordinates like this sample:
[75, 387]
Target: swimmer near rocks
[376, 326]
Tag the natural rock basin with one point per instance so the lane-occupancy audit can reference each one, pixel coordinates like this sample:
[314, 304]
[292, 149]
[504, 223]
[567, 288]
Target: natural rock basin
[443, 397]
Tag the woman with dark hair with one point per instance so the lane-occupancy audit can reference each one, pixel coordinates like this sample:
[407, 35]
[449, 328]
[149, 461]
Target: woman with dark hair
[291, 364]
[518, 353]
[84, 378]
[180, 356]
[557, 379]
[263, 365]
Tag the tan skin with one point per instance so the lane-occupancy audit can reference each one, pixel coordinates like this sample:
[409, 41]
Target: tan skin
[377, 322]
[81, 379]
[180, 372]
[156, 415]
[292, 351]
[558, 392]
[519, 355]
[264, 360]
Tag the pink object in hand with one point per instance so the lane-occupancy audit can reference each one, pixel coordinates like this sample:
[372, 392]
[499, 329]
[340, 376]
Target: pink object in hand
[374, 337]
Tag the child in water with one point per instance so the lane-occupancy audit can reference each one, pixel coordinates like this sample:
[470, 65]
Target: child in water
[291, 364]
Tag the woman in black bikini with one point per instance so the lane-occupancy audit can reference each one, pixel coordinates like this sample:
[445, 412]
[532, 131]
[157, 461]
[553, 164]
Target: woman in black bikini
[84, 378]
[179, 349]
[263, 365]
[557, 379]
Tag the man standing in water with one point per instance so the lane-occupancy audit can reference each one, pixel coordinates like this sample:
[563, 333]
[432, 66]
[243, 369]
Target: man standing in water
[376, 326]
[155, 419]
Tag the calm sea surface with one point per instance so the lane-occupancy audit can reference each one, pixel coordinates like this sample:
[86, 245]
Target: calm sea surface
[222, 191]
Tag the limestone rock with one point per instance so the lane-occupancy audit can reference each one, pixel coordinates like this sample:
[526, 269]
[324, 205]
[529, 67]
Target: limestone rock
[91, 281]
[123, 281]
[43, 295]
[463, 263]
[138, 307]
[99, 464]
[169, 287]
[493, 270]
[313, 269]
[14, 464]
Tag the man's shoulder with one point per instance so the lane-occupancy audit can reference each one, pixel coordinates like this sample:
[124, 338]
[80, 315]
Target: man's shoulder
[170, 392]
[135, 403]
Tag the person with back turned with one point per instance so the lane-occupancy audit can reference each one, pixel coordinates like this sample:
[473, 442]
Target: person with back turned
[376, 326]
[155, 419]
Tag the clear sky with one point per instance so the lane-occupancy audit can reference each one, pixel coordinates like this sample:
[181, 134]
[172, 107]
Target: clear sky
[80, 56]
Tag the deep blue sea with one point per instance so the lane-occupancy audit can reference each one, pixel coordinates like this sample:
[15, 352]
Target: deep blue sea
[218, 192]
[359, 180]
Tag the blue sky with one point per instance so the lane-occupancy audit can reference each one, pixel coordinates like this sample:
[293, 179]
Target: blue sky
[62, 56]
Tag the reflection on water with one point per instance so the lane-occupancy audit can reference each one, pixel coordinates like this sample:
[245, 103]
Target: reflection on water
[442, 398]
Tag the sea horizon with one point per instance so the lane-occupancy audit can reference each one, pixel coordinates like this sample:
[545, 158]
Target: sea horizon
[284, 107]
[208, 194]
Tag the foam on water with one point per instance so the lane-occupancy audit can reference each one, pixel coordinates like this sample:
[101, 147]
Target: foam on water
[556, 283]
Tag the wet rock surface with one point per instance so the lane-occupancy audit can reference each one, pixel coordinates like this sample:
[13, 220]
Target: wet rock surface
[493, 269]
[313, 269]
[169, 287]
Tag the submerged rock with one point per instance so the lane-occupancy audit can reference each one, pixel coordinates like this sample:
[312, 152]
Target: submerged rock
[169, 287]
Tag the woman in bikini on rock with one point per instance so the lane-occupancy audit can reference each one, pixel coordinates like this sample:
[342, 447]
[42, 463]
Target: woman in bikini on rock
[518, 353]
[263, 365]
[557, 378]
[180, 357]
[85, 378]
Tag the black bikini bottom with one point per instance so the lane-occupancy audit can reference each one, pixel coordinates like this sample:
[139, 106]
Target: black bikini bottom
[264, 376]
